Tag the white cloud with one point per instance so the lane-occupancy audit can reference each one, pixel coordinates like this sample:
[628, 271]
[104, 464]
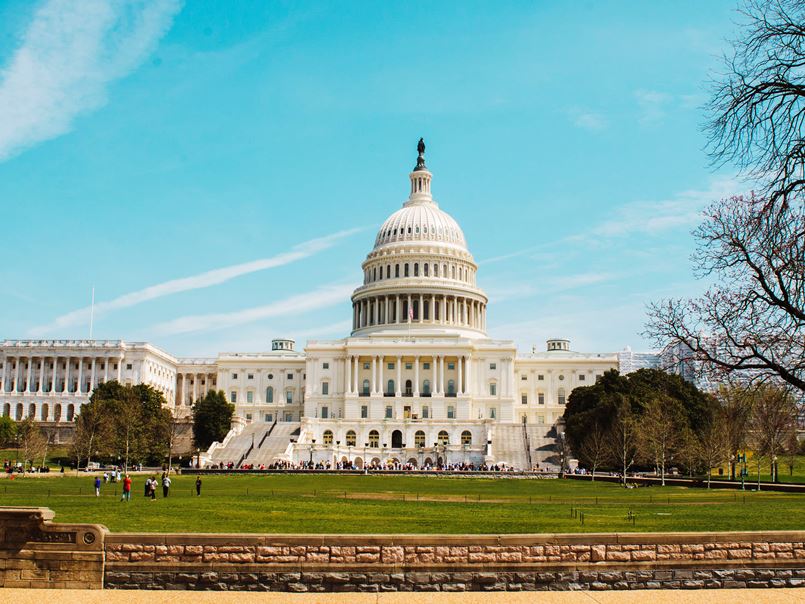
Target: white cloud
[588, 120]
[205, 279]
[653, 217]
[69, 54]
[313, 300]
[652, 105]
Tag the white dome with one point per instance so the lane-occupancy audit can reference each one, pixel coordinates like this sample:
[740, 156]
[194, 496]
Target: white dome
[420, 221]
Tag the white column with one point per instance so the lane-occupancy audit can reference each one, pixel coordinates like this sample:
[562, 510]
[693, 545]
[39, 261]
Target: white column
[119, 367]
[14, 375]
[41, 374]
[397, 308]
[80, 375]
[106, 369]
[66, 373]
[421, 309]
[416, 376]
[441, 375]
[373, 387]
[195, 387]
[434, 387]
[397, 386]
[28, 379]
[467, 375]
[459, 386]
[355, 387]
[432, 308]
[409, 311]
[92, 377]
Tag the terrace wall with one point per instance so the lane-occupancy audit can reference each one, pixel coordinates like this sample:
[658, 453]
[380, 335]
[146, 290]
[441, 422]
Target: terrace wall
[321, 563]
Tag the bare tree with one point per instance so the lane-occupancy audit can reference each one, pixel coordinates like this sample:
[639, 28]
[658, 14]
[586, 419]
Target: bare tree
[773, 425]
[734, 412]
[757, 111]
[659, 433]
[622, 440]
[712, 447]
[31, 441]
[594, 449]
[752, 319]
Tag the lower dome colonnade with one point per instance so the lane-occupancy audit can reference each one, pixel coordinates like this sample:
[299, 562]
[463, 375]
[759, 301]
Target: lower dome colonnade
[432, 309]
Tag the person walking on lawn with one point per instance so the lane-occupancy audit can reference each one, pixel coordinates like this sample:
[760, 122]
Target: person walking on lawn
[166, 484]
[126, 489]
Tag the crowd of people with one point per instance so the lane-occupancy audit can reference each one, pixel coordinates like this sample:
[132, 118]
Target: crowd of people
[150, 485]
[371, 466]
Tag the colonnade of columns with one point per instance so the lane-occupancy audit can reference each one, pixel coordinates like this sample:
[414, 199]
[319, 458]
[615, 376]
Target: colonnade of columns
[436, 309]
[28, 373]
[378, 378]
[191, 386]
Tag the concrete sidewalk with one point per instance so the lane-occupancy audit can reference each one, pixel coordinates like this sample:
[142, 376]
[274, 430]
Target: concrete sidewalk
[715, 596]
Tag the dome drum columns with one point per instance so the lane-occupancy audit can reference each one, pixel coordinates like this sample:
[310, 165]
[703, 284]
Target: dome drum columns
[419, 309]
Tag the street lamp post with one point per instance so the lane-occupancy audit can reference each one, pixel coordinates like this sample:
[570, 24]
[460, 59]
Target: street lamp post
[312, 444]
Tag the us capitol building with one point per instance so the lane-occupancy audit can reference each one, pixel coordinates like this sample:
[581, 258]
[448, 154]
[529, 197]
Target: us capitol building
[417, 381]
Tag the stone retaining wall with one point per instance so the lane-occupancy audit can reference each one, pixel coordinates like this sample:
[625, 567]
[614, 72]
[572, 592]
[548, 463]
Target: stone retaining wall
[35, 552]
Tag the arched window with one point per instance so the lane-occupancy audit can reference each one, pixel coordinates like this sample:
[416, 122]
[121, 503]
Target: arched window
[32, 411]
[57, 413]
[7, 410]
[406, 269]
[561, 396]
[70, 412]
[388, 271]
[466, 437]
[426, 387]
[366, 387]
[409, 388]
[425, 269]
[328, 437]
[416, 269]
[351, 440]
[19, 412]
[396, 270]
[43, 413]
[374, 439]
[374, 274]
[451, 387]
[270, 394]
[453, 270]
[443, 438]
[390, 387]
[419, 439]
[435, 270]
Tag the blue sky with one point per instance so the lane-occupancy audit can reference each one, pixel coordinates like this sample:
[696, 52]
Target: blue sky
[217, 170]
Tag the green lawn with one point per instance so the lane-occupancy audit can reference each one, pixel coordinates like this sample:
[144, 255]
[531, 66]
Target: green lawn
[399, 504]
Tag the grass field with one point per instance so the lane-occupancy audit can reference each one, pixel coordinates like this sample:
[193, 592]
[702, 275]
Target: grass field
[400, 504]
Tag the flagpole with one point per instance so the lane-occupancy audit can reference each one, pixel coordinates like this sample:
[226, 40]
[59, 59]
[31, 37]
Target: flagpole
[91, 312]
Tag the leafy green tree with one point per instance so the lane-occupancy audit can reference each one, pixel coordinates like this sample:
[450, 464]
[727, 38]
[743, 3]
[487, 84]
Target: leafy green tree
[212, 417]
[8, 429]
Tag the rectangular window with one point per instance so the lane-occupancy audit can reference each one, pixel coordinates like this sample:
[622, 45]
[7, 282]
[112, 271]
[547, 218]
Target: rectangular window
[524, 377]
[493, 389]
[451, 412]
[290, 376]
[234, 376]
[493, 413]
[269, 418]
[325, 388]
[541, 398]
[388, 412]
[248, 417]
[540, 377]
[524, 399]
[233, 397]
[128, 366]
[409, 366]
[493, 366]
[367, 366]
[451, 366]
[325, 412]
[390, 365]
[425, 412]
[425, 365]
[582, 377]
[325, 365]
[250, 397]
[364, 411]
[541, 419]
[249, 376]
[289, 397]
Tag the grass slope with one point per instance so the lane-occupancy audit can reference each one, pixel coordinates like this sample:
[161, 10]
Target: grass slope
[382, 504]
